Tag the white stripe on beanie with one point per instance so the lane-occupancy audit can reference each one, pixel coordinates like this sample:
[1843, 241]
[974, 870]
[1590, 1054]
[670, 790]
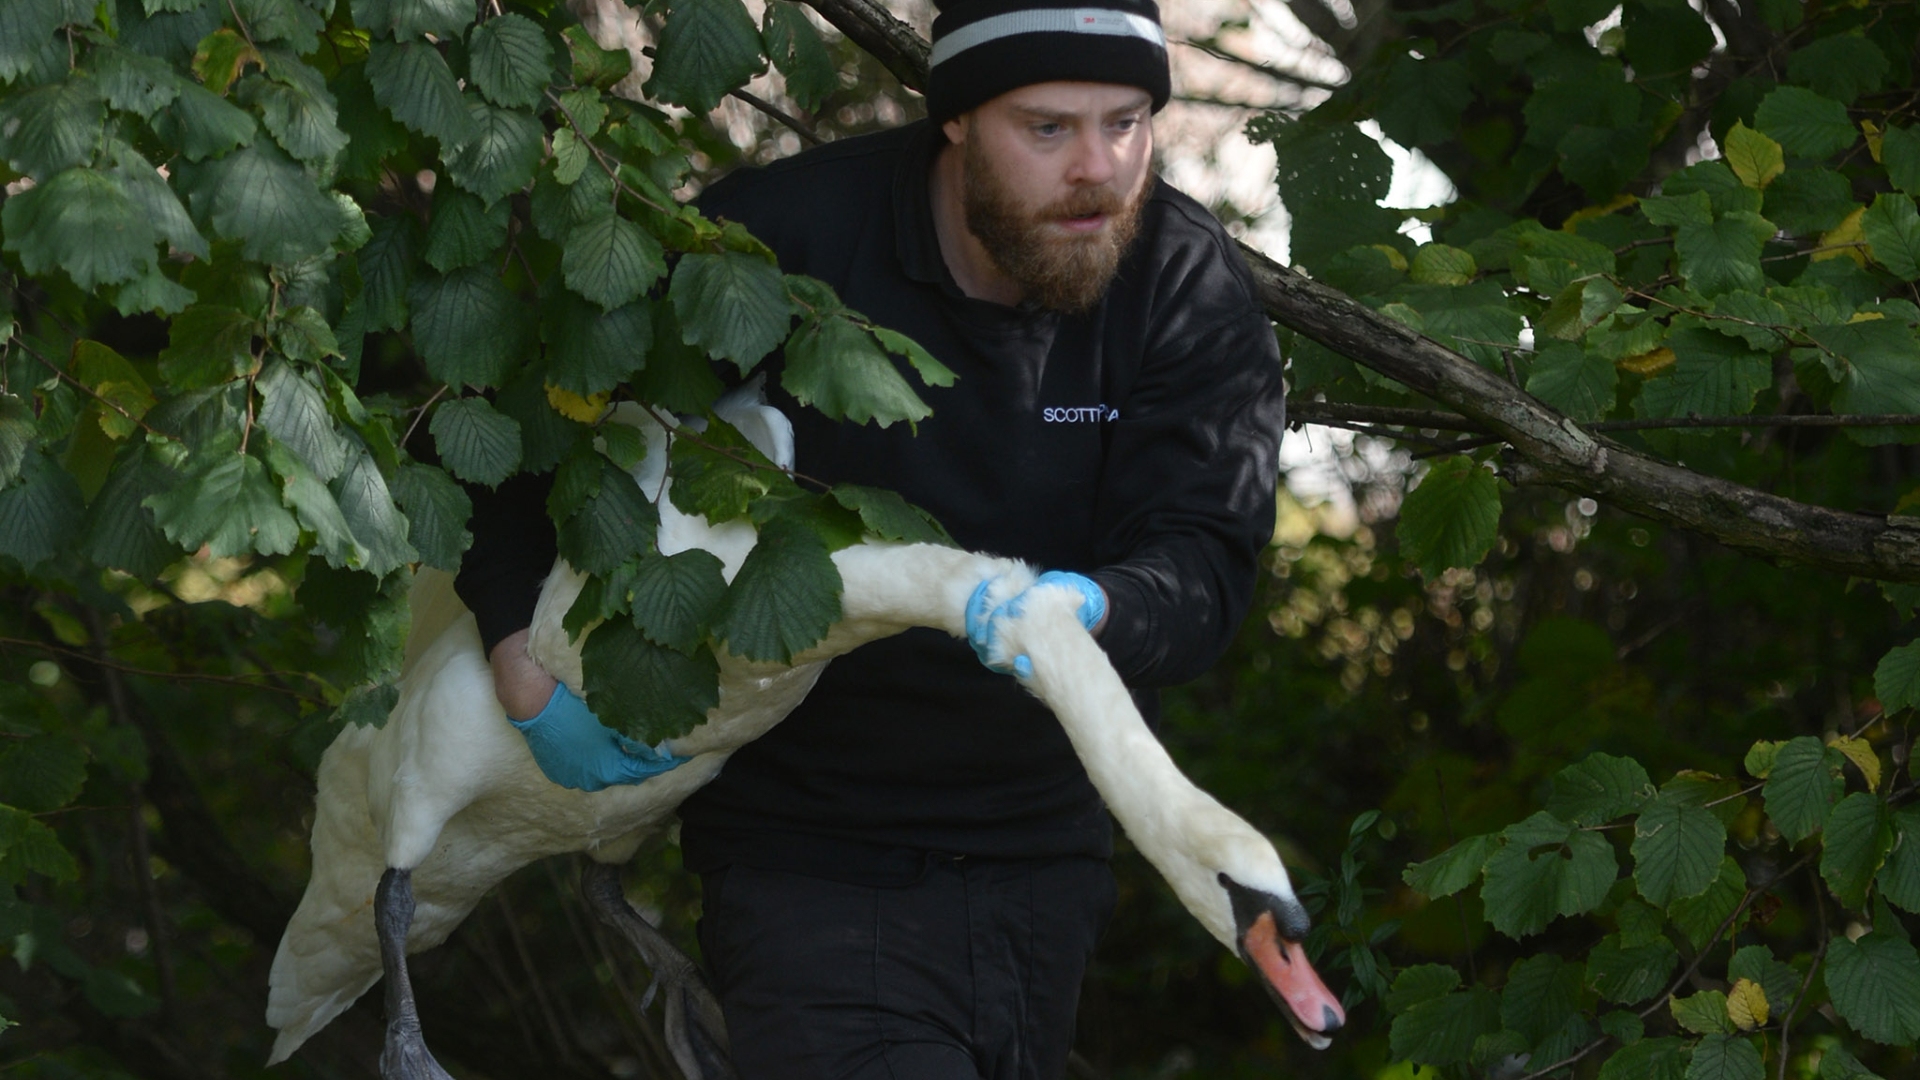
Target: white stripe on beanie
[1103, 21]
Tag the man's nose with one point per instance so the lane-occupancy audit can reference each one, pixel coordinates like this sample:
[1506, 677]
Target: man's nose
[1095, 160]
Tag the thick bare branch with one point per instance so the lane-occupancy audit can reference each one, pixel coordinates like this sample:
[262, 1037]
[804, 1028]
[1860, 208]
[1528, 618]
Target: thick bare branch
[1547, 448]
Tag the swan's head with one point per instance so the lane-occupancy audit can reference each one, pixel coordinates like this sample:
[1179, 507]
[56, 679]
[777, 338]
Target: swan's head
[1268, 931]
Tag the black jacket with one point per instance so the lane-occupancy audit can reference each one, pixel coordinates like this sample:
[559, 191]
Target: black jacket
[1137, 444]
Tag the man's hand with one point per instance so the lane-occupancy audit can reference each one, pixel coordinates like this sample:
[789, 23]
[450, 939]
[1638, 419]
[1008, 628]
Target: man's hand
[570, 744]
[984, 623]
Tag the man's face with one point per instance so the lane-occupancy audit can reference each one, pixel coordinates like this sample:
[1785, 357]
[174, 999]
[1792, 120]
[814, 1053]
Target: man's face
[1055, 175]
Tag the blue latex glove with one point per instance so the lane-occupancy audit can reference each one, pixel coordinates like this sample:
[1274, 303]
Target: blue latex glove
[577, 751]
[984, 623]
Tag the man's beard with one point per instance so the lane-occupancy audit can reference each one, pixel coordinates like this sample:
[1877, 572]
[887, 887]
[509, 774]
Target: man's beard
[1061, 272]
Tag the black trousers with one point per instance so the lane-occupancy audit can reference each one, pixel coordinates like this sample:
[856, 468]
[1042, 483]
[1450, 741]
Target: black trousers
[972, 972]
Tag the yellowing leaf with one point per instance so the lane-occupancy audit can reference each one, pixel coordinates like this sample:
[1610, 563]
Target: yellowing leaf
[1589, 213]
[1440, 264]
[584, 410]
[1747, 1005]
[1861, 753]
[1846, 238]
[1867, 316]
[1755, 159]
[1874, 136]
[1394, 258]
[126, 395]
[221, 57]
[1649, 363]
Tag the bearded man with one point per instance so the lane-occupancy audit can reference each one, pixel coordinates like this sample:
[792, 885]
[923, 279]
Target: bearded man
[906, 877]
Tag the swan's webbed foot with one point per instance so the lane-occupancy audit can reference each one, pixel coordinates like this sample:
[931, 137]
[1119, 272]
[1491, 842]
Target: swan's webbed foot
[405, 1056]
[695, 1030]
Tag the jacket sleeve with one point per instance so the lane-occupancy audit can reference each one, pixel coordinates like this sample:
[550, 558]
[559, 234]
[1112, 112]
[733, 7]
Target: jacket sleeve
[512, 553]
[1187, 500]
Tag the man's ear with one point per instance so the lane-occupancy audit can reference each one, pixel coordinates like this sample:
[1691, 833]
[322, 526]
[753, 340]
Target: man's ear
[956, 129]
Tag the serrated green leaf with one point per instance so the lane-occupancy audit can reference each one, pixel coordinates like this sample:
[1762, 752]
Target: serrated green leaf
[467, 326]
[28, 846]
[1438, 264]
[1899, 879]
[386, 272]
[1700, 917]
[611, 261]
[1874, 982]
[835, 366]
[291, 21]
[612, 525]
[502, 155]
[545, 435]
[1809, 200]
[784, 599]
[226, 502]
[510, 61]
[1452, 518]
[317, 510]
[1542, 994]
[1858, 835]
[1900, 153]
[437, 511]
[1837, 1064]
[295, 413]
[1879, 368]
[476, 443]
[1453, 869]
[1725, 1057]
[1420, 983]
[651, 692]
[707, 48]
[1842, 66]
[1577, 307]
[931, 371]
[592, 65]
[1896, 679]
[52, 128]
[303, 334]
[377, 524]
[1704, 1013]
[1751, 318]
[42, 773]
[591, 351]
[1577, 382]
[1713, 375]
[373, 135]
[1598, 789]
[718, 476]
[890, 517]
[17, 432]
[121, 533]
[156, 201]
[412, 81]
[367, 706]
[1676, 851]
[1804, 123]
[676, 598]
[1804, 782]
[558, 207]
[585, 109]
[1756, 963]
[444, 19]
[733, 305]
[81, 221]
[25, 27]
[1628, 975]
[1724, 255]
[463, 230]
[796, 50]
[132, 82]
[203, 124]
[1442, 1031]
[297, 110]
[1892, 228]
[262, 198]
[1546, 868]
[1675, 210]
[208, 344]
[1648, 1059]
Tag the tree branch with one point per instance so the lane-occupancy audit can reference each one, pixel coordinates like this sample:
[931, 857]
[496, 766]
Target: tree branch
[1548, 448]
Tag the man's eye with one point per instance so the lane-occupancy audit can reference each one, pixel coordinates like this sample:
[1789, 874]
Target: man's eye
[1048, 131]
[1126, 123]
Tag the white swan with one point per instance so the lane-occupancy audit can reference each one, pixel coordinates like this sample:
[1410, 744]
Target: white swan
[423, 816]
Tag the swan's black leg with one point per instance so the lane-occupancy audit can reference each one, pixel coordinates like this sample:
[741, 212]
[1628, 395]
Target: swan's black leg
[405, 1056]
[696, 1033]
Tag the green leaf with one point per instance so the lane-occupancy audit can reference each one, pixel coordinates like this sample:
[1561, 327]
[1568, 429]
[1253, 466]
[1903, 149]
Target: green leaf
[1841, 67]
[1700, 917]
[718, 476]
[502, 155]
[890, 517]
[796, 50]
[437, 511]
[675, 598]
[203, 124]
[1874, 982]
[226, 502]
[584, 108]
[1837, 1064]
[1892, 227]
[1648, 1059]
[1598, 789]
[52, 128]
[1442, 1031]
[1725, 1057]
[291, 21]
[1547, 868]
[1899, 879]
[386, 272]
[611, 261]
[931, 371]
[444, 19]
[557, 208]
[132, 82]
[1453, 869]
[1452, 518]
[1574, 381]
[589, 350]
[733, 305]
[1630, 974]
[1422, 100]
[592, 65]
[613, 525]
[510, 61]
[1665, 39]
[260, 197]
[1703, 1013]
[1675, 210]
[1676, 850]
[1713, 375]
[26, 26]
[1778, 981]
[1438, 264]
[1900, 152]
[463, 230]
[651, 692]
[83, 222]
[1725, 193]
[1804, 123]
[17, 431]
[367, 706]
[476, 443]
[1542, 994]
[208, 344]
[1331, 178]
[707, 48]
[1859, 833]
[157, 202]
[413, 83]
[1896, 680]
[295, 413]
[1809, 200]
[39, 512]
[316, 508]
[119, 532]
[298, 111]
[1879, 366]
[1804, 782]
[785, 597]
[835, 366]
[467, 326]
[369, 510]
[30, 847]
[373, 135]
[1724, 255]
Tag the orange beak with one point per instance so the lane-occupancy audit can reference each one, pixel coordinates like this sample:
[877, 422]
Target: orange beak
[1313, 1010]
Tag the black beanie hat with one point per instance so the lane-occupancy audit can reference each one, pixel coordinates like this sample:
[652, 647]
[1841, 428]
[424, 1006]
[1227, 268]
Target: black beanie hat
[984, 48]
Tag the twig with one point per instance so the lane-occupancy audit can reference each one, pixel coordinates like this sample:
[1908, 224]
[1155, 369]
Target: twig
[607, 164]
[422, 414]
[181, 676]
[1819, 954]
[800, 127]
[1271, 72]
[561, 1043]
[682, 431]
[85, 389]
